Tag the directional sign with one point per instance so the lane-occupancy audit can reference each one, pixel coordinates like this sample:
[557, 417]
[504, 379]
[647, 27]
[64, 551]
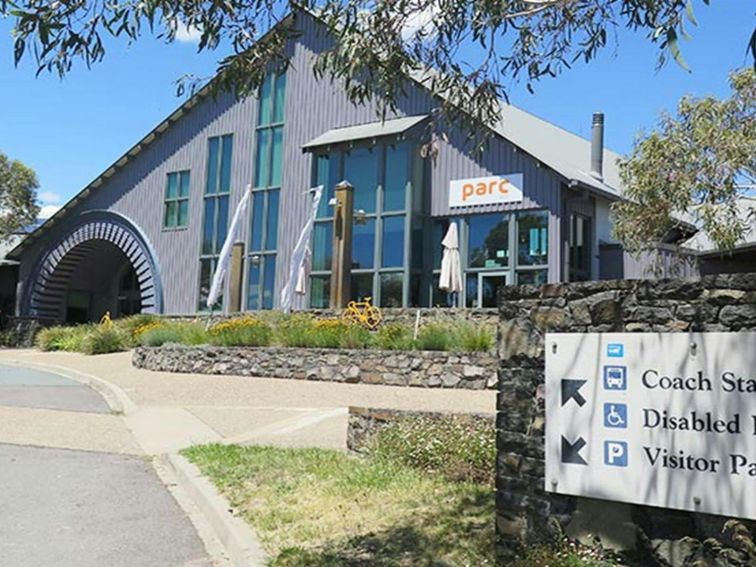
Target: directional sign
[571, 391]
[571, 452]
[661, 419]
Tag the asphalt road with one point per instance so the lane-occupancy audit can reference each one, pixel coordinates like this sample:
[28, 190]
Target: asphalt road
[62, 507]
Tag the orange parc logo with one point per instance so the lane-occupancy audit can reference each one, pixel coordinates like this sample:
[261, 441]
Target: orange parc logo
[485, 190]
[482, 189]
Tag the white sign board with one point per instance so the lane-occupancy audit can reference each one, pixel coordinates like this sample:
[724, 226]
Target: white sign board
[661, 419]
[485, 190]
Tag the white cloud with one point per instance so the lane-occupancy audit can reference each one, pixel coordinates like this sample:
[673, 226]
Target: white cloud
[421, 21]
[187, 34]
[46, 211]
[49, 197]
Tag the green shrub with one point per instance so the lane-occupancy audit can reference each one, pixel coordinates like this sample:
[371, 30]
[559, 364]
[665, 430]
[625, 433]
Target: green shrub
[295, 331]
[434, 336]
[68, 339]
[102, 339]
[393, 336]
[469, 337]
[459, 448]
[355, 336]
[182, 333]
[133, 322]
[328, 333]
[241, 331]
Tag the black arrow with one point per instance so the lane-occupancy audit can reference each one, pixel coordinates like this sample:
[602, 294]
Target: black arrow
[571, 451]
[571, 390]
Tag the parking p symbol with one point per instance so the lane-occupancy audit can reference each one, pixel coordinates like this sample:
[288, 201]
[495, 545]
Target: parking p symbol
[615, 453]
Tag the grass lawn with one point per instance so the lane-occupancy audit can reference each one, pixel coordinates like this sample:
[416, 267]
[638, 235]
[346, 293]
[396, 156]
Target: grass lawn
[324, 508]
[319, 508]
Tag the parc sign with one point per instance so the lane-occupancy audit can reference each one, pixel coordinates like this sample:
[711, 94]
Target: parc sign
[486, 190]
[660, 419]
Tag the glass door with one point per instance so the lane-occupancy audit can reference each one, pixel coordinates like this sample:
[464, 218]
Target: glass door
[488, 283]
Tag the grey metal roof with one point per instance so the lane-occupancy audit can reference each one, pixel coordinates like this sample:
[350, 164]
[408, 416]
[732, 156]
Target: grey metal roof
[566, 153]
[365, 131]
[703, 244]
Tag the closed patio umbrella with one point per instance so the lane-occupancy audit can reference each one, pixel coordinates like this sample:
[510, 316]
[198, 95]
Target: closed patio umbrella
[451, 263]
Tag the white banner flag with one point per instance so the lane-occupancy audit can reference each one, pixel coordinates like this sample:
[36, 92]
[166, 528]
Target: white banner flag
[225, 254]
[298, 256]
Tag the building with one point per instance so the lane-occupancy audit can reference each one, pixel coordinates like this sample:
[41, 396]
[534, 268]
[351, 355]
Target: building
[146, 234]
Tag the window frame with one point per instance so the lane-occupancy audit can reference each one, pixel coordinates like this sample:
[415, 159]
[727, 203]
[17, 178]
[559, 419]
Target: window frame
[513, 269]
[213, 256]
[178, 199]
[377, 270]
[258, 258]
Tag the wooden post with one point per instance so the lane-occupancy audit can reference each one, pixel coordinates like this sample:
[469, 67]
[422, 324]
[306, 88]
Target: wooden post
[341, 266]
[236, 277]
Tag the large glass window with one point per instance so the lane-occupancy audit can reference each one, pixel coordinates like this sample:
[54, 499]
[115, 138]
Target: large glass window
[176, 210]
[498, 249]
[215, 210]
[488, 241]
[263, 241]
[580, 248]
[532, 238]
[361, 170]
[383, 177]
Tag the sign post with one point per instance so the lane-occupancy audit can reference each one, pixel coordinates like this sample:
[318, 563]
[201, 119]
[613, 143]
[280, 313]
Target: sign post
[660, 419]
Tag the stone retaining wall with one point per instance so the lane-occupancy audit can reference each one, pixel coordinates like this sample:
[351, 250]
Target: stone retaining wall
[366, 422]
[424, 369]
[525, 512]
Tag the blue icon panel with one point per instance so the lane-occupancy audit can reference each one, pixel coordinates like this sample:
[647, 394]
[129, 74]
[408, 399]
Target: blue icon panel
[615, 453]
[615, 416]
[615, 350]
[615, 378]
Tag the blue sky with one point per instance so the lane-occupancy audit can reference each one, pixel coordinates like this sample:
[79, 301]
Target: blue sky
[70, 131]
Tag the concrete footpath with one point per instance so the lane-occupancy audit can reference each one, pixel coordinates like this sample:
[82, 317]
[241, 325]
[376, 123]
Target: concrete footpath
[166, 412]
[75, 431]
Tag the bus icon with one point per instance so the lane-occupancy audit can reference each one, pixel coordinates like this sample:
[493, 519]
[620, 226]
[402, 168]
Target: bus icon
[615, 378]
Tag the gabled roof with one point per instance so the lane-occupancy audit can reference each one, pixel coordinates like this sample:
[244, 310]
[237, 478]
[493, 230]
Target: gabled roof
[566, 153]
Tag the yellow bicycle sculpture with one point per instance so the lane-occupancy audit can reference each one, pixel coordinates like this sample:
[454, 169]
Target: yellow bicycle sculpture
[363, 313]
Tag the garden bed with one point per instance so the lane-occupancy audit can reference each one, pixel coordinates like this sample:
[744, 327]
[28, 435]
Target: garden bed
[425, 369]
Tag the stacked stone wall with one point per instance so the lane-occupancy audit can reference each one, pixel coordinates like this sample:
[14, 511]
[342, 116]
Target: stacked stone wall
[525, 512]
[424, 369]
[364, 423]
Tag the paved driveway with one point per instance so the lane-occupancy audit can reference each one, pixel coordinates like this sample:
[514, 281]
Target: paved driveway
[69, 507]
[172, 411]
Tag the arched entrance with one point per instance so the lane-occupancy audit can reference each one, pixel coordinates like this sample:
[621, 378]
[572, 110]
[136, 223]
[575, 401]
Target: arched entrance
[103, 263]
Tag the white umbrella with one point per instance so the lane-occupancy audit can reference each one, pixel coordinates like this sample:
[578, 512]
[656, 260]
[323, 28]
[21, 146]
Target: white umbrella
[451, 263]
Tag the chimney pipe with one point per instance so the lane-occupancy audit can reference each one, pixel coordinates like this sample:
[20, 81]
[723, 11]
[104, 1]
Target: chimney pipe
[597, 146]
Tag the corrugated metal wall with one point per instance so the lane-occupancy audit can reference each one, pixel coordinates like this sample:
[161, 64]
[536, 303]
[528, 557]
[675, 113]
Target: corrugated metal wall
[312, 107]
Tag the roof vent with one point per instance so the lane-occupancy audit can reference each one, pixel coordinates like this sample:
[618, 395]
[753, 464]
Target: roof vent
[597, 146]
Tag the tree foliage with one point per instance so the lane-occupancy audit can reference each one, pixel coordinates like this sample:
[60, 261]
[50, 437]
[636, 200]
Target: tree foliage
[698, 166]
[378, 42]
[18, 196]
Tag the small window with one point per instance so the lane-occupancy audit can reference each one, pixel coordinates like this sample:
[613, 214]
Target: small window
[176, 212]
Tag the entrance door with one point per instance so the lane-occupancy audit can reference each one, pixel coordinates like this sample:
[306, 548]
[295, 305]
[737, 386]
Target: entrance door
[488, 283]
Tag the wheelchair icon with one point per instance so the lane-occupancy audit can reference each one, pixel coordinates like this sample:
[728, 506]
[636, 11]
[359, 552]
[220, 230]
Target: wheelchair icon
[615, 416]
